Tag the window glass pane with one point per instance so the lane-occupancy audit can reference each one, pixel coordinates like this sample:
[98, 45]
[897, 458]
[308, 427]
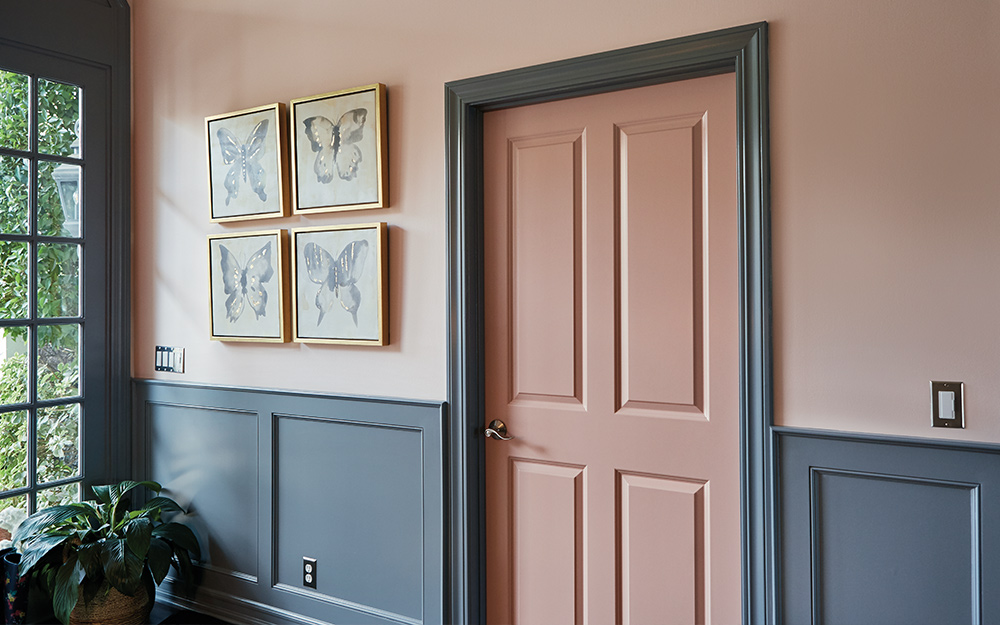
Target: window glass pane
[13, 449]
[13, 280]
[58, 199]
[13, 195]
[13, 110]
[58, 361]
[58, 118]
[13, 510]
[58, 446]
[58, 280]
[58, 496]
[13, 367]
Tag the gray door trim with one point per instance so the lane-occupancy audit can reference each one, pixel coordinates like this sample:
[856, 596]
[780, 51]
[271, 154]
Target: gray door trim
[742, 50]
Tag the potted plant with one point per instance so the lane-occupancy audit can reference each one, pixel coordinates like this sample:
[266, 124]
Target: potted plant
[103, 556]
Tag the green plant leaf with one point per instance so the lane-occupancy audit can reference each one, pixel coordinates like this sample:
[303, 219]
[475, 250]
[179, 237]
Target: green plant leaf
[161, 505]
[118, 490]
[122, 567]
[180, 535]
[183, 563]
[137, 535]
[91, 586]
[49, 517]
[158, 558]
[36, 549]
[67, 588]
[91, 560]
[103, 493]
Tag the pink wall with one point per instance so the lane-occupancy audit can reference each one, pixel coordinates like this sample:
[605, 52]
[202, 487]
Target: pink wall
[886, 182]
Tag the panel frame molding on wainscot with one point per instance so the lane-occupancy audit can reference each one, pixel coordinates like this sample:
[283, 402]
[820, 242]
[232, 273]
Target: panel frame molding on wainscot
[972, 469]
[237, 596]
[741, 50]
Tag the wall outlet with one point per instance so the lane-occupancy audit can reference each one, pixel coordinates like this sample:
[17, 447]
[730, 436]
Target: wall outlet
[309, 572]
[170, 359]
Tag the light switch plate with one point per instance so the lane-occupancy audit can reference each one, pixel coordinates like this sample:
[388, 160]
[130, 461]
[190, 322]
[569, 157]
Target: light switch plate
[947, 405]
[170, 359]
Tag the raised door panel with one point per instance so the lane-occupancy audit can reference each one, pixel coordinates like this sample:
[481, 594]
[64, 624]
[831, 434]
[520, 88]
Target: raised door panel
[660, 266]
[544, 270]
[663, 531]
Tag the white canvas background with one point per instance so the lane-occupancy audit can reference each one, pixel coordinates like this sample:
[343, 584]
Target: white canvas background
[337, 323]
[246, 201]
[363, 189]
[269, 324]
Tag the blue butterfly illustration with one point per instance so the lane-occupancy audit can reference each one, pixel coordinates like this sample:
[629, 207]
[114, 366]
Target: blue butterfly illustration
[245, 285]
[337, 278]
[336, 144]
[244, 159]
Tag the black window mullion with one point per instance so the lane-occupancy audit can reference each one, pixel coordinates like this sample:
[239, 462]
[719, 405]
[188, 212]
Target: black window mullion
[32, 447]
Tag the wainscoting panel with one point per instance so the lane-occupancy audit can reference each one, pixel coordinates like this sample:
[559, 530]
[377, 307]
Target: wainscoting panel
[207, 458]
[885, 530]
[273, 476]
[366, 529]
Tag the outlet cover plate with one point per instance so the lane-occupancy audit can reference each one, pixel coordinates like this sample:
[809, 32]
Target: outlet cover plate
[309, 572]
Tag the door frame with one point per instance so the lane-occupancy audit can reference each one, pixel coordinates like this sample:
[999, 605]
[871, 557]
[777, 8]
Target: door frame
[742, 50]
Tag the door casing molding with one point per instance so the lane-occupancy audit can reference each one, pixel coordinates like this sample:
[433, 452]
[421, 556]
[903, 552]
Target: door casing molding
[742, 50]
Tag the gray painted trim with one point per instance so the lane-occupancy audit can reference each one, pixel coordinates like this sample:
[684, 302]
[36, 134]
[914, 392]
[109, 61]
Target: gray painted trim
[233, 609]
[237, 599]
[886, 439]
[119, 281]
[742, 50]
[806, 454]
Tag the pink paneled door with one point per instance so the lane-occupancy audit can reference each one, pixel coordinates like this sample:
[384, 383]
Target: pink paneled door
[612, 344]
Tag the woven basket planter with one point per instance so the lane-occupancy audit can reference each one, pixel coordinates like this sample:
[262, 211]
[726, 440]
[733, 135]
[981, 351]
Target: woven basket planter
[111, 607]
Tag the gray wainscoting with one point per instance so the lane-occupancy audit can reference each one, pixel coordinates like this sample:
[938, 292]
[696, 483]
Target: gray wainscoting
[882, 530]
[273, 476]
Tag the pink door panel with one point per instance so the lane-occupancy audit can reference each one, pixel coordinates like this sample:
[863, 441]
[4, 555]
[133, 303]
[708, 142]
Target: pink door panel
[612, 357]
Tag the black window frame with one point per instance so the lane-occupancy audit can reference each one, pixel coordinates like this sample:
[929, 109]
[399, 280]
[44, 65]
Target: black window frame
[87, 43]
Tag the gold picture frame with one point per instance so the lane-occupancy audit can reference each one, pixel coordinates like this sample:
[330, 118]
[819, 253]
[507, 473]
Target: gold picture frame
[248, 274]
[340, 282]
[247, 163]
[340, 152]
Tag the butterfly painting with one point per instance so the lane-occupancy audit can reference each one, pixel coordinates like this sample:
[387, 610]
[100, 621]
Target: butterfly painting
[246, 286]
[336, 144]
[340, 155]
[340, 284]
[244, 160]
[247, 153]
[338, 279]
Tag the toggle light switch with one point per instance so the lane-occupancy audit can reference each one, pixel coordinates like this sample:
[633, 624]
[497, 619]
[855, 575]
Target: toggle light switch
[947, 406]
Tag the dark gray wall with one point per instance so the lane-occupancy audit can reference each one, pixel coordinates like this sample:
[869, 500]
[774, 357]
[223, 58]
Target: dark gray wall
[886, 531]
[274, 476]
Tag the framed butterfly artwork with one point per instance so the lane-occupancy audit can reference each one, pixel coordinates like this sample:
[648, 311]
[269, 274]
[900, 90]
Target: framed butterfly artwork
[247, 152]
[340, 277]
[247, 278]
[340, 151]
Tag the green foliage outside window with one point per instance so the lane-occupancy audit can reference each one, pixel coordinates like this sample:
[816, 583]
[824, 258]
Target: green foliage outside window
[58, 447]
[57, 284]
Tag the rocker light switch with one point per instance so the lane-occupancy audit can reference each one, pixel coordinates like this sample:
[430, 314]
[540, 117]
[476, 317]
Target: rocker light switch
[170, 359]
[947, 406]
